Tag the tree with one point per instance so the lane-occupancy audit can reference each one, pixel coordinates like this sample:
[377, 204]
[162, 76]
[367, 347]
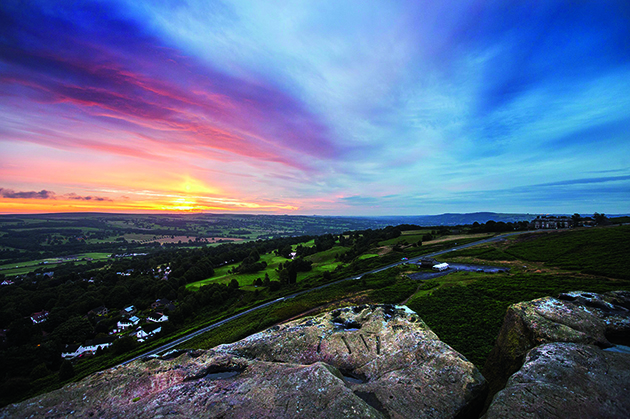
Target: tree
[600, 219]
[254, 255]
[234, 284]
[576, 218]
[75, 329]
[66, 371]
[123, 345]
[39, 371]
[285, 251]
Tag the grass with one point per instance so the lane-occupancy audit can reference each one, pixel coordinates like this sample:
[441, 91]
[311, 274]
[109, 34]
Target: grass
[222, 276]
[322, 262]
[466, 310]
[21, 268]
[386, 287]
[597, 251]
[408, 238]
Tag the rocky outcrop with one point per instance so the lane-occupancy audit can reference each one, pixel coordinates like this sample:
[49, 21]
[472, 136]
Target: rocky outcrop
[568, 357]
[365, 361]
[602, 320]
[566, 380]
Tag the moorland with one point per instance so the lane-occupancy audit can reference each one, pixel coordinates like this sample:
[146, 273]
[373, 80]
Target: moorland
[80, 273]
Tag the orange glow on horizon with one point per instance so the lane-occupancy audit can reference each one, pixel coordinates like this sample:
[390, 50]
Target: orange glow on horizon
[157, 203]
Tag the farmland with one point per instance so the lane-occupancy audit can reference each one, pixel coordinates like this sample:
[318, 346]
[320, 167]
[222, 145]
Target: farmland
[208, 282]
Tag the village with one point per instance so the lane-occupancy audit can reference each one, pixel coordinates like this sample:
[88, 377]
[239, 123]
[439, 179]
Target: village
[133, 323]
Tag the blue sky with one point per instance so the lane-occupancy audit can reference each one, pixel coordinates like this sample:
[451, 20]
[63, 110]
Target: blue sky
[315, 107]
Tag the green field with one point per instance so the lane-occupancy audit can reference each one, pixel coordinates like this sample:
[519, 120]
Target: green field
[20, 268]
[466, 309]
[322, 262]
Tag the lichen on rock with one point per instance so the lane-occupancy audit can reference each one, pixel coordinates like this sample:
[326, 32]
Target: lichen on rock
[557, 350]
[577, 317]
[566, 380]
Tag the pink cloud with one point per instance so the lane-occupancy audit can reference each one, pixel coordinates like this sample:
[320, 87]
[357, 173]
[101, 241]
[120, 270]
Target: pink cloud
[249, 120]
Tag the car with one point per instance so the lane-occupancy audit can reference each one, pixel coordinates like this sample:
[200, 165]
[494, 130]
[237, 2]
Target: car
[479, 270]
[404, 259]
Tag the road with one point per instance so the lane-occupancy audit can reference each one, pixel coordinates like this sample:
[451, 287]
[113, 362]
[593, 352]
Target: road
[176, 342]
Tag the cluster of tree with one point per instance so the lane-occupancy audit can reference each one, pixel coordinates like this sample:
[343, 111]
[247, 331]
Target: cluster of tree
[491, 226]
[251, 264]
[288, 271]
[361, 241]
[599, 219]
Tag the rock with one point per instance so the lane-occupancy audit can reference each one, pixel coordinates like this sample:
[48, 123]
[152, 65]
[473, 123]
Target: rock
[566, 380]
[398, 365]
[579, 317]
[363, 362]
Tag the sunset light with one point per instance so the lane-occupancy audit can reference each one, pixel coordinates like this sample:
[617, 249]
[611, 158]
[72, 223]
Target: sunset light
[314, 107]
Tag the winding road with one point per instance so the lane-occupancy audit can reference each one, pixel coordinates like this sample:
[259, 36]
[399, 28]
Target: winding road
[171, 345]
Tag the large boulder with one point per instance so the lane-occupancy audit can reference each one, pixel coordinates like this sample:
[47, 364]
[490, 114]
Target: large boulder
[602, 320]
[366, 361]
[566, 380]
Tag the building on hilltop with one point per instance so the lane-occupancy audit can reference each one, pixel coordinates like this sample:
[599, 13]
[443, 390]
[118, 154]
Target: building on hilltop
[551, 222]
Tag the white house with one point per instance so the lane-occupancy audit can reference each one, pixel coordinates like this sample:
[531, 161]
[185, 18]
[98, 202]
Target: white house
[147, 331]
[157, 317]
[89, 347]
[71, 351]
[125, 324]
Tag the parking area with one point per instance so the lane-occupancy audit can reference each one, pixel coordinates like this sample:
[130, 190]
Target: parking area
[457, 267]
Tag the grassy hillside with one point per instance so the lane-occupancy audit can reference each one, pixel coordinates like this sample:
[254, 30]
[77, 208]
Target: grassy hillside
[466, 309]
[597, 251]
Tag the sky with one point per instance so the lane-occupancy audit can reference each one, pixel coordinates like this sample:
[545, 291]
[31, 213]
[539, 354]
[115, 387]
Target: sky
[315, 107]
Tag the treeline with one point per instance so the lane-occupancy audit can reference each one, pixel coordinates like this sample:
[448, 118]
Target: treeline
[361, 241]
[498, 227]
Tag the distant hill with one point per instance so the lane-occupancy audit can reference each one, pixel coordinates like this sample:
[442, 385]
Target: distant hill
[452, 219]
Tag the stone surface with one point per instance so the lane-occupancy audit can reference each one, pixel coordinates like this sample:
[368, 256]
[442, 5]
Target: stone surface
[566, 380]
[365, 361]
[579, 317]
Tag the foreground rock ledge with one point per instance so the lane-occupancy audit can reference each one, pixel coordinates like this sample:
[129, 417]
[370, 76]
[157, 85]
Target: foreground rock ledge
[602, 320]
[573, 358]
[566, 380]
[362, 362]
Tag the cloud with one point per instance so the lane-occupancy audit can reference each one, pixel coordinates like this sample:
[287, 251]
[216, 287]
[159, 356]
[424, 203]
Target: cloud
[86, 198]
[586, 181]
[11, 194]
[396, 106]
[44, 194]
[133, 78]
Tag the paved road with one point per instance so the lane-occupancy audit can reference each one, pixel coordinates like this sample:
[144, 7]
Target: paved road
[176, 342]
